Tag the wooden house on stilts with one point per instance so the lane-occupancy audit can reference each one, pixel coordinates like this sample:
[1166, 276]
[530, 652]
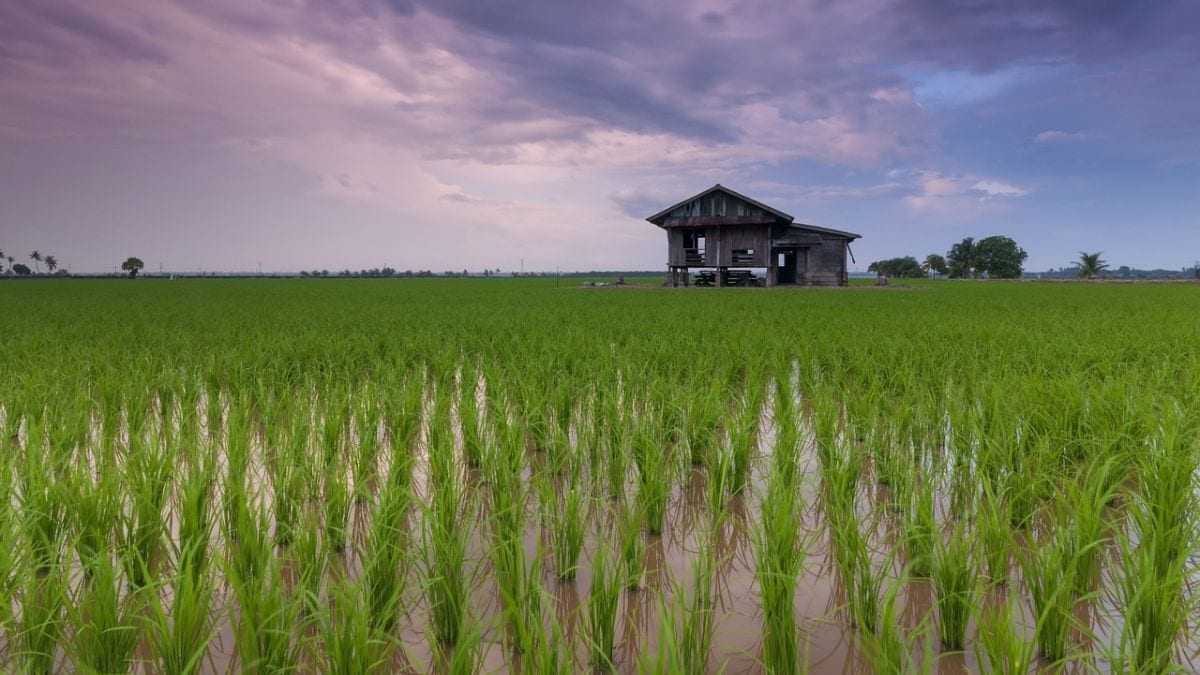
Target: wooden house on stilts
[725, 236]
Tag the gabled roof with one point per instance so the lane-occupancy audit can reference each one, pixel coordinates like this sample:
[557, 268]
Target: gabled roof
[661, 215]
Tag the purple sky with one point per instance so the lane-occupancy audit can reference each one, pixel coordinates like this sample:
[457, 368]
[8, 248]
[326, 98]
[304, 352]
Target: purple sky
[475, 133]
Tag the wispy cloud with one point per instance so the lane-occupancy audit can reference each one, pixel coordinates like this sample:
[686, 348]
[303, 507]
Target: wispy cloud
[1057, 136]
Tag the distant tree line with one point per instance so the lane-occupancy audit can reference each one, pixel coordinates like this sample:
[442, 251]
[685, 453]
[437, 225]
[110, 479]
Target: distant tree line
[22, 270]
[995, 257]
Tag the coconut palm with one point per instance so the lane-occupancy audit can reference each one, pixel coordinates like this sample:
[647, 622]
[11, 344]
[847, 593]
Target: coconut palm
[1090, 264]
[37, 259]
[51, 263]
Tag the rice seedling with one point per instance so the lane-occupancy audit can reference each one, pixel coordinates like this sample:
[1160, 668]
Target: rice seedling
[350, 643]
[632, 542]
[107, 626]
[604, 594]
[267, 614]
[1001, 642]
[444, 540]
[40, 626]
[1165, 516]
[887, 649]
[954, 585]
[1048, 569]
[180, 632]
[743, 434]
[468, 413]
[654, 474]
[993, 538]
[566, 520]
[696, 613]
[337, 506]
[780, 551]
[384, 560]
[920, 529]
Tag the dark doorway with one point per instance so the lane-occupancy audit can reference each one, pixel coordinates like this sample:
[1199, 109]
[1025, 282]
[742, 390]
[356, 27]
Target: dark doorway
[786, 262]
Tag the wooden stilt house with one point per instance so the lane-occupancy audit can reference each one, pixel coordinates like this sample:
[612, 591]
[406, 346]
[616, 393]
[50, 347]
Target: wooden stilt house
[725, 236]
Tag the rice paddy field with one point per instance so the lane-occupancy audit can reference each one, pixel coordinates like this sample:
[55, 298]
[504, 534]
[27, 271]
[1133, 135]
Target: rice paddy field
[468, 476]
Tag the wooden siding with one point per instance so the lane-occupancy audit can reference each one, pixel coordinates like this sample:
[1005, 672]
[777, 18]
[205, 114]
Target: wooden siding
[744, 238]
[827, 263]
[719, 203]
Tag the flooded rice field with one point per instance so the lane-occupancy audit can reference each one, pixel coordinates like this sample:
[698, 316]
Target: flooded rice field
[302, 479]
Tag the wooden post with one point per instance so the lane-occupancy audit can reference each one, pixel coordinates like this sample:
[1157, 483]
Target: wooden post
[720, 277]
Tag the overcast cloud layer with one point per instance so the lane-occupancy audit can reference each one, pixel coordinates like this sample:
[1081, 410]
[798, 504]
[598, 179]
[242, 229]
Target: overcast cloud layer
[477, 133]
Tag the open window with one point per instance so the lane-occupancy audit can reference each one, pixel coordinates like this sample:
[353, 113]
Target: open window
[693, 247]
[743, 256]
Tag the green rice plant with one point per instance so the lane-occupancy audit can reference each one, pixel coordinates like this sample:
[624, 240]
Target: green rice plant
[886, 647]
[142, 536]
[338, 497]
[248, 548]
[40, 626]
[96, 507]
[1155, 570]
[743, 434]
[696, 613]
[444, 540]
[719, 486]
[1000, 642]
[780, 552]
[566, 519]
[993, 538]
[181, 632]
[107, 626]
[604, 594]
[1048, 569]
[864, 592]
[703, 422]
[954, 587]
[920, 529]
[366, 452]
[385, 560]
[267, 620]
[195, 521]
[468, 413]
[1087, 503]
[287, 486]
[655, 475]
[465, 658]
[43, 512]
[632, 542]
[349, 642]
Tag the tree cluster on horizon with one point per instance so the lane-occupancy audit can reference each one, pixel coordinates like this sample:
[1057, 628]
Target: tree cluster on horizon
[997, 257]
[23, 270]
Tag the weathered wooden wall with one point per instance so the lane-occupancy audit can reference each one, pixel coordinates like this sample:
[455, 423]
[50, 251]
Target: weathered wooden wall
[827, 262]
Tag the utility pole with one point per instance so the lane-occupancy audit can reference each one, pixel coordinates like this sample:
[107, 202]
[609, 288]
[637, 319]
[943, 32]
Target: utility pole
[522, 267]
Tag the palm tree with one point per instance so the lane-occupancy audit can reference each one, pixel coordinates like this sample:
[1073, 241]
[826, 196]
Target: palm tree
[51, 263]
[1090, 264]
[37, 259]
